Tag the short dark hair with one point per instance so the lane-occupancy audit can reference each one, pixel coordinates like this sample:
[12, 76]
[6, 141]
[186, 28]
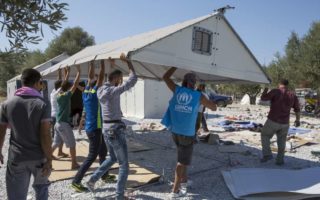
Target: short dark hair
[57, 84]
[284, 82]
[30, 77]
[114, 74]
[189, 78]
[65, 86]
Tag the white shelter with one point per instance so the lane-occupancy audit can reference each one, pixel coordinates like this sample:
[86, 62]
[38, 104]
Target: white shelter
[15, 83]
[207, 45]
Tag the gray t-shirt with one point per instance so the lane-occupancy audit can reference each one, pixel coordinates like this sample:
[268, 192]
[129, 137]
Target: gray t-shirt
[24, 115]
[109, 97]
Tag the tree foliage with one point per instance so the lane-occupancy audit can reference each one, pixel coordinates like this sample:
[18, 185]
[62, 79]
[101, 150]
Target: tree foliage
[310, 59]
[241, 89]
[33, 58]
[301, 62]
[71, 41]
[12, 63]
[23, 21]
[9, 63]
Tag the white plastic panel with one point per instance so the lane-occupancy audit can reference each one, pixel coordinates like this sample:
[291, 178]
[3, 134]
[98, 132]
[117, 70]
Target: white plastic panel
[132, 101]
[157, 96]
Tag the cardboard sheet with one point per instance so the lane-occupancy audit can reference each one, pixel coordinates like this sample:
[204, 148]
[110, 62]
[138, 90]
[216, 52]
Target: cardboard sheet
[273, 184]
[138, 175]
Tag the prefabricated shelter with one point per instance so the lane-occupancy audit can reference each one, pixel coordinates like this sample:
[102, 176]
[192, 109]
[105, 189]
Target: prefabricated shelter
[147, 99]
[207, 45]
[15, 83]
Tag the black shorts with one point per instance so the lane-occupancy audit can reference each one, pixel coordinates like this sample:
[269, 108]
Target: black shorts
[184, 148]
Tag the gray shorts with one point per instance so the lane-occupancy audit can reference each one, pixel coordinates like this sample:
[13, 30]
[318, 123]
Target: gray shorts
[184, 148]
[63, 134]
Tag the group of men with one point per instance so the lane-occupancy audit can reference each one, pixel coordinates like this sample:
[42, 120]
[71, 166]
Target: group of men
[31, 147]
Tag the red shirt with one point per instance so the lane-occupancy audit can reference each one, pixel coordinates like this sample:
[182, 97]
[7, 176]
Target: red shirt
[282, 101]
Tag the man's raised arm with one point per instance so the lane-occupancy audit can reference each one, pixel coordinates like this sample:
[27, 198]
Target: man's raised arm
[91, 72]
[66, 73]
[102, 71]
[76, 81]
[167, 78]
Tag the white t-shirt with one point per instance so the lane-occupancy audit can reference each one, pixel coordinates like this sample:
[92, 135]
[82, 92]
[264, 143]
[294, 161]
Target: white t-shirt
[53, 100]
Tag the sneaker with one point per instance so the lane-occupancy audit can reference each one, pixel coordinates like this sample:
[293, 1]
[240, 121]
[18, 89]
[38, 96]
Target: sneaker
[266, 158]
[78, 187]
[174, 195]
[108, 178]
[90, 186]
[184, 187]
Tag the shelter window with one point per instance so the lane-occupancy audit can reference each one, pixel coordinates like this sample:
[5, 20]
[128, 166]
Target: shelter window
[202, 41]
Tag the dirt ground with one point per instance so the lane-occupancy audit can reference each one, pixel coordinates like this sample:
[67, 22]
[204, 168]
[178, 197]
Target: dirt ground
[209, 160]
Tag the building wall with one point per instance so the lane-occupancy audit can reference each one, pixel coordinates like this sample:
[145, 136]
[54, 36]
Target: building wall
[132, 101]
[147, 99]
[157, 96]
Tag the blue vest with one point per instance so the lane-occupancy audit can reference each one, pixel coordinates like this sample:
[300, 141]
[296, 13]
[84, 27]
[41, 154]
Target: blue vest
[92, 108]
[182, 113]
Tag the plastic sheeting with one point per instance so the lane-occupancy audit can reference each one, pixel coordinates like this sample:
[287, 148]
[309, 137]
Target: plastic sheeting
[273, 184]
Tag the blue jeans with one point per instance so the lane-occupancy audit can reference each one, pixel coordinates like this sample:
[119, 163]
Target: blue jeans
[97, 147]
[18, 180]
[118, 151]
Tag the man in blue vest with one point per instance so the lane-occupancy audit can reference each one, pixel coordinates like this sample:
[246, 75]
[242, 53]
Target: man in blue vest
[180, 119]
[93, 127]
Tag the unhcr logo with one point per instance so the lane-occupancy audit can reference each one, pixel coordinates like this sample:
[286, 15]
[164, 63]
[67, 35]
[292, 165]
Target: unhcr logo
[184, 98]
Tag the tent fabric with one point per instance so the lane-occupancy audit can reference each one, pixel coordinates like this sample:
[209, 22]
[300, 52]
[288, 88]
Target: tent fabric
[273, 184]
[156, 51]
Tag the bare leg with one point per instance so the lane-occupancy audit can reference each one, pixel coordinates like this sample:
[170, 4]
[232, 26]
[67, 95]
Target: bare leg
[184, 177]
[180, 175]
[61, 153]
[74, 164]
[53, 149]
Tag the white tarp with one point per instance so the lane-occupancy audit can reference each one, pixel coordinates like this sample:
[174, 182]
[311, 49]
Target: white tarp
[155, 51]
[245, 100]
[273, 184]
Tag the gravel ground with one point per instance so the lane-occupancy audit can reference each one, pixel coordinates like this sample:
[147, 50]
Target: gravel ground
[205, 171]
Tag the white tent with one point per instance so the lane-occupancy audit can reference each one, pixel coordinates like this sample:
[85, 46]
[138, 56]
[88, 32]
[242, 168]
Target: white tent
[245, 100]
[207, 45]
[15, 82]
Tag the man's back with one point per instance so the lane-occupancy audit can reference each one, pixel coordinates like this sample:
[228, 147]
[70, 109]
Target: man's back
[24, 115]
[109, 98]
[92, 109]
[64, 109]
[282, 101]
